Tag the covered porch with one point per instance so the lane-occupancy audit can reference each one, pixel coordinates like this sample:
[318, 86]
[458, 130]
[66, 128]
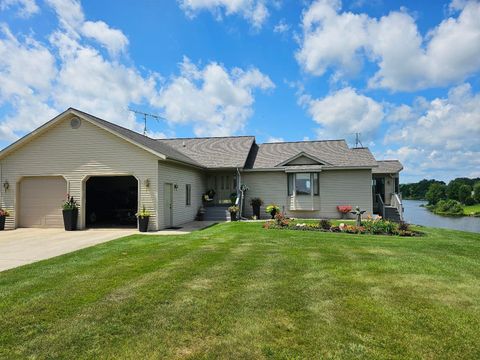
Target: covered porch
[386, 197]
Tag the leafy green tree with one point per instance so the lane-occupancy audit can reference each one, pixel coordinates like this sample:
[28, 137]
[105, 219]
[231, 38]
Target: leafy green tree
[435, 193]
[464, 193]
[476, 195]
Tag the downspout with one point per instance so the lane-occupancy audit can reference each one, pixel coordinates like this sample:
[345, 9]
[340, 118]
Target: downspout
[239, 192]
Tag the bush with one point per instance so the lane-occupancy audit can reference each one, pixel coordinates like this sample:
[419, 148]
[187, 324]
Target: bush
[281, 220]
[325, 224]
[448, 207]
[380, 226]
[403, 226]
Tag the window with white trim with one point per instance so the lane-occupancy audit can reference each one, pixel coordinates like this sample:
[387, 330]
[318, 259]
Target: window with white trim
[303, 184]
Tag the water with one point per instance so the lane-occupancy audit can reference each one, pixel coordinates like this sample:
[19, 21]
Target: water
[415, 214]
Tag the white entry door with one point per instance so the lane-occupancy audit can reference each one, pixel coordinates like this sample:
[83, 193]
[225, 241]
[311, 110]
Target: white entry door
[168, 205]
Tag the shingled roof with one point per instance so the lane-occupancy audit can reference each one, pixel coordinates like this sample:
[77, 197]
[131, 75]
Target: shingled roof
[214, 152]
[333, 153]
[388, 167]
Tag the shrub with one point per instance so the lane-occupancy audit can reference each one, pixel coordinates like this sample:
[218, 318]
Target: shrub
[325, 224]
[448, 207]
[281, 220]
[403, 226]
[379, 226]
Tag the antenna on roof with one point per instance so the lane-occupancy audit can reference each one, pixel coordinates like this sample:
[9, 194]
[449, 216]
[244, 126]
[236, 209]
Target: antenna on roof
[357, 141]
[145, 115]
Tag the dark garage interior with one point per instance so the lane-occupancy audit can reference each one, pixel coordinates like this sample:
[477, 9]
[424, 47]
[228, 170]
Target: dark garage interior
[112, 201]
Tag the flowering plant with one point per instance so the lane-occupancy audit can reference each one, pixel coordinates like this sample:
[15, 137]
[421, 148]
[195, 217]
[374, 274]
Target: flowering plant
[4, 212]
[234, 209]
[144, 213]
[344, 209]
[70, 203]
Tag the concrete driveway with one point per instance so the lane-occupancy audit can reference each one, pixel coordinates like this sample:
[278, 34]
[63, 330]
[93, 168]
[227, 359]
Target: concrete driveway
[25, 246]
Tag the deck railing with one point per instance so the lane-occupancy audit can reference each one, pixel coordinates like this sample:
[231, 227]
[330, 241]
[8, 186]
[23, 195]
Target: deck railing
[396, 202]
[380, 206]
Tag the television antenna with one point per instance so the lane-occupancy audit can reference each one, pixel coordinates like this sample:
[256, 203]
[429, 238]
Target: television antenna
[145, 116]
[358, 141]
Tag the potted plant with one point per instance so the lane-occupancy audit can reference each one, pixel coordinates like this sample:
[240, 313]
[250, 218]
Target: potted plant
[70, 213]
[3, 216]
[233, 198]
[233, 212]
[344, 210]
[256, 203]
[143, 219]
[272, 209]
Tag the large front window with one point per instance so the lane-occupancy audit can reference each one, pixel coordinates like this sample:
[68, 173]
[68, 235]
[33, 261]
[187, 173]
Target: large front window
[303, 184]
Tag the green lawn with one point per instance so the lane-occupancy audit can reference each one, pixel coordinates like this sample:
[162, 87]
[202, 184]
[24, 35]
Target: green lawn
[472, 209]
[236, 291]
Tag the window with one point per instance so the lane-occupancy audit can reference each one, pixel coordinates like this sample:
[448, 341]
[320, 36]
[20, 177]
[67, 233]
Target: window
[291, 181]
[188, 194]
[303, 184]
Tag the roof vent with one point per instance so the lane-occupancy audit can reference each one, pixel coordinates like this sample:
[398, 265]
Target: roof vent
[75, 123]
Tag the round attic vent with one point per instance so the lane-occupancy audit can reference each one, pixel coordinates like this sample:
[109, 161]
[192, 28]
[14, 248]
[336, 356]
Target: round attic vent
[75, 123]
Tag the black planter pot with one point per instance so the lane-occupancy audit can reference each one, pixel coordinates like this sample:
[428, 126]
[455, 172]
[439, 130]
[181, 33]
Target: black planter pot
[2, 222]
[233, 216]
[143, 223]
[70, 218]
[256, 211]
[273, 213]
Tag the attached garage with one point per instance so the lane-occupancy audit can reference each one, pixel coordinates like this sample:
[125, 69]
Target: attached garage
[40, 201]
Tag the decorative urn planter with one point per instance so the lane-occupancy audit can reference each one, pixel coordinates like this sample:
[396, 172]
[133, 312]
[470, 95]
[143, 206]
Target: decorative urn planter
[143, 223]
[273, 213]
[2, 222]
[233, 216]
[70, 218]
[256, 210]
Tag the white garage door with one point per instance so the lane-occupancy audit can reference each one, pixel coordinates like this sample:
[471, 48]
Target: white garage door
[41, 201]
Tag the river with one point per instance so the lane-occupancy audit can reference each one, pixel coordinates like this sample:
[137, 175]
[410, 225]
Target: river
[416, 214]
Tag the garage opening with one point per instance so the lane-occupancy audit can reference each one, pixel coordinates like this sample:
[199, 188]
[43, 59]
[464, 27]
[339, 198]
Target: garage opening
[111, 201]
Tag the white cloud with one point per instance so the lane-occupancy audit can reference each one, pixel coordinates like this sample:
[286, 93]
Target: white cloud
[449, 123]
[255, 11]
[274, 139]
[438, 138]
[406, 60]
[281, 27]
[26, 8]
[72, 20]
[344, 113]
[216, 101]
[112, 39]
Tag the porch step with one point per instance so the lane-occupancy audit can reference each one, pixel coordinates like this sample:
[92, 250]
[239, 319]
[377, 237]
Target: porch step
[391, 213]
[216, 213]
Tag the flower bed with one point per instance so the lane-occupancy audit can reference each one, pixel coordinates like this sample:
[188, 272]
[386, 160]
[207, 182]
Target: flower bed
[369, 226]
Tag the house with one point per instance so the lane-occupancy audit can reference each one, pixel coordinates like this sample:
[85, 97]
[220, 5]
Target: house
[112, 171]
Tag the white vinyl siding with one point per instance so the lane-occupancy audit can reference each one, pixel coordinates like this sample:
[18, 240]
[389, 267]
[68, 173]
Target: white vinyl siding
[180, 175]
[77, 154]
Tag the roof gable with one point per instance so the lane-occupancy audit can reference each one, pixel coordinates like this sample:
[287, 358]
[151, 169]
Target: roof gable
[147, 144]
[302, 158]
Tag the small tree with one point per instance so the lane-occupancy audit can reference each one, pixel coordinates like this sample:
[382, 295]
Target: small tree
[435, 193]
[476, 190]
[464, 193]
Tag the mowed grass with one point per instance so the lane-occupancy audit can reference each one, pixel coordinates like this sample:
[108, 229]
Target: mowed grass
[236, 291]
[472, 209]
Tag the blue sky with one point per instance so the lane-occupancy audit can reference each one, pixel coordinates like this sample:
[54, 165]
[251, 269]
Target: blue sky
[405, 74]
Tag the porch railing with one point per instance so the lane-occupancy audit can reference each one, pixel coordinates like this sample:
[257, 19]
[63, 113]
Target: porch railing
[380, 206]
[396, 202]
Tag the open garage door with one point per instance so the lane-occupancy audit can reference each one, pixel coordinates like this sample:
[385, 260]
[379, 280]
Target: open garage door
[41, 202]
[112, 201]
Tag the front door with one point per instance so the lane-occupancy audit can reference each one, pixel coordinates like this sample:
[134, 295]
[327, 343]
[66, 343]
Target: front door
[224, 185]
[168, 205]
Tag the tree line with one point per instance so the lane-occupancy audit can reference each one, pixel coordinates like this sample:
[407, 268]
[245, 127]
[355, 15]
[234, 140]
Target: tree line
[463, 190]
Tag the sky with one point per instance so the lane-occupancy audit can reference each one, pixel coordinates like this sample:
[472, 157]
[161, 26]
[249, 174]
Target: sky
[403, 74]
